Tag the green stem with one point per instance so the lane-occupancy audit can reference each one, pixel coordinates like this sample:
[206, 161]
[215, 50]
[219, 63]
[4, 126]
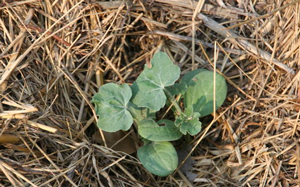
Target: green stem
[137, 113]
[176, 105]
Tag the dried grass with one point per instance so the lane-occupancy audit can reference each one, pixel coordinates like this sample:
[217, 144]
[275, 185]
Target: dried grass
[56, 54]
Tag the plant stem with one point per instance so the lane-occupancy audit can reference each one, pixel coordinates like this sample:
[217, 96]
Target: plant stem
[170, 97]
[136, 113]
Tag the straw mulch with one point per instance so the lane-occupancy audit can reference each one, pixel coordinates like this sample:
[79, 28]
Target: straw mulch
[56, 54]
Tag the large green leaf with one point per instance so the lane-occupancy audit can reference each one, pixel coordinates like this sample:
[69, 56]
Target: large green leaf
[200, 91]
[150, 130]
[152, 82]
[188, 77]
[160, 158]
[111, 106]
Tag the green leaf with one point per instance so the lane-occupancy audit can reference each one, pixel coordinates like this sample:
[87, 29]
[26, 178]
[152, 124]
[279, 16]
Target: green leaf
[139, 113]
[189, 122]
[188, 77]
[200, 91]
[111, 106]
[152, 82]
[160, 158]
[150, 130]
[177, 88]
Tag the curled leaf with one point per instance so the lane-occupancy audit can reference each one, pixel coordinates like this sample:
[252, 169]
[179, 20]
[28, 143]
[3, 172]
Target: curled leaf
[189, 122]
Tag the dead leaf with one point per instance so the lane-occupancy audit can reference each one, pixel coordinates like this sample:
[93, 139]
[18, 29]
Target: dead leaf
[116, 141]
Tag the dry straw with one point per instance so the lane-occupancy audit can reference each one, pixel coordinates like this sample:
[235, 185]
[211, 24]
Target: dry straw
[56, 54]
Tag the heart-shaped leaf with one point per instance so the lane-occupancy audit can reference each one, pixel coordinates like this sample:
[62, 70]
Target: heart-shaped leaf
[111, 106]
[152, 82]
[160, 158]
[150, 130]
[200, 91]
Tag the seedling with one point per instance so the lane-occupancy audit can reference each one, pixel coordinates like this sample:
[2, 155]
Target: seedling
[119, 106]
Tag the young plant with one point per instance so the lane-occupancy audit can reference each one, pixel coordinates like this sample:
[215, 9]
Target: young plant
[118, 106]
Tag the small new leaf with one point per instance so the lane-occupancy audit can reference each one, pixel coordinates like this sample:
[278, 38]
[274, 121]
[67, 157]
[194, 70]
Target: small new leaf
[152, 82]
[150, 130]
[160, 158]
[189, 122]
[111, 106]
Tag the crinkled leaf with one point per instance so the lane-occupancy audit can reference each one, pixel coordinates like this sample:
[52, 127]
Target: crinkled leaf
[152, 82]
[192, 126]
[150, 130]
[160, 158]
[200, 91]
[111, 106]
[189, 122]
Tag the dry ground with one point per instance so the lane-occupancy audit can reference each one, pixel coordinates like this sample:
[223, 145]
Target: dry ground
[56, 54]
